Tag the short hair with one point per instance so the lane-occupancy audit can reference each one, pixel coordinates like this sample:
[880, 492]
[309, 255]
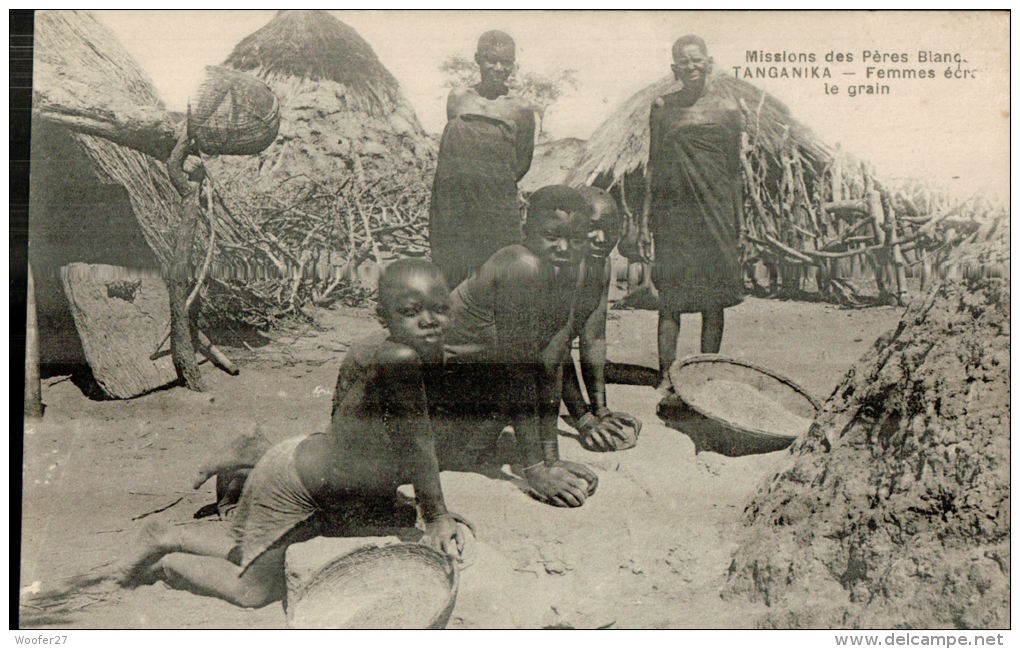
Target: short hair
[596, 195]
[689, 39]
[495, 39]
[551, 198]
[395, 276]
[610, 214]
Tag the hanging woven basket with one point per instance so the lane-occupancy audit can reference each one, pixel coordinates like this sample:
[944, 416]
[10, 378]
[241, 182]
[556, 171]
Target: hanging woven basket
[233, 113]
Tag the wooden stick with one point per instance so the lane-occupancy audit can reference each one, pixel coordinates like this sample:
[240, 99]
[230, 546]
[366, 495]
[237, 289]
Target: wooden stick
[922, 254]
[33, 383]
[837, 175]
[368, 231]
[214, 354]
[181, 348]
[853, 206]
[147, 129]
[897, 259]
[156, 511]
[208, 253]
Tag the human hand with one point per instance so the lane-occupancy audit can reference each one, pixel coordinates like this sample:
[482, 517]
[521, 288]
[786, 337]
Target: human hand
[609, 431]
[562, 484]
[581, 471]
[445, 535]
[194, 168]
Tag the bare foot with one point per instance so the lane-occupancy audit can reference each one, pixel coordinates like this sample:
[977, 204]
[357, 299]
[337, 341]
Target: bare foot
[154, 541]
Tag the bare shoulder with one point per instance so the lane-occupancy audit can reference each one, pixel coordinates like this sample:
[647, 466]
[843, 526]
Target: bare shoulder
[517, 262]
[391, 353]
[459, 96]
[521, 111]
[458, 93]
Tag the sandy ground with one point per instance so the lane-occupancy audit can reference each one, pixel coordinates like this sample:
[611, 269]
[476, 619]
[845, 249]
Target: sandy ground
[650, 549]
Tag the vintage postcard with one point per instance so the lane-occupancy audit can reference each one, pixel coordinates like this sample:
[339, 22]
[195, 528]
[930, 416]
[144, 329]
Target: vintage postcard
[518, 320]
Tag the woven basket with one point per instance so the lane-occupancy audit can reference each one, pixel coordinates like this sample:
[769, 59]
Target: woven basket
[233, 113]
[402, 586]
[704, 406]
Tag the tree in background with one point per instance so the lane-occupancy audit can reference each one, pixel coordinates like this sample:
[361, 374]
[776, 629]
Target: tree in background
[541, 90]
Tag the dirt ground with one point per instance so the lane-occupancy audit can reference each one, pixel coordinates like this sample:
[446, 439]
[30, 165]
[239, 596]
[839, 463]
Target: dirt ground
[650, 549]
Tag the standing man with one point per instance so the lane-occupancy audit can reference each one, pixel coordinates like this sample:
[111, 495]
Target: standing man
[693, 201]
[486, 149]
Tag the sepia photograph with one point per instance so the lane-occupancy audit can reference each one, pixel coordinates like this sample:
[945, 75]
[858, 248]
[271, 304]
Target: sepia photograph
[472, 319]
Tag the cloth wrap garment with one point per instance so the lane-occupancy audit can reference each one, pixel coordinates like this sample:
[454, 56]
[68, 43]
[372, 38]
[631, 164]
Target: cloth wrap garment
[273, 503]
[474, 209]
[697, 198]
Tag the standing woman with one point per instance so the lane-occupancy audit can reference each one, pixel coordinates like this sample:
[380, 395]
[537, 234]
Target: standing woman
[486, 148]
[693, 201]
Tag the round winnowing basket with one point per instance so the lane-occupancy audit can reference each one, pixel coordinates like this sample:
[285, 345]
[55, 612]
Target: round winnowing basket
[734, 407]
[233, 113]
[402, 586]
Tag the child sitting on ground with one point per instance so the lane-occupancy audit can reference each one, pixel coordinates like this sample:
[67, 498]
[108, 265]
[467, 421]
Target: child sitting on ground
[380, 437]
[599, 428]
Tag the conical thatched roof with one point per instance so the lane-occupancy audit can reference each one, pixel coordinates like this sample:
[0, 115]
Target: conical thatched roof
[314, 45]
[341, 110]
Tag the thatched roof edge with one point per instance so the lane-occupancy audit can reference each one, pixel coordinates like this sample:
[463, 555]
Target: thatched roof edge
[620, 145]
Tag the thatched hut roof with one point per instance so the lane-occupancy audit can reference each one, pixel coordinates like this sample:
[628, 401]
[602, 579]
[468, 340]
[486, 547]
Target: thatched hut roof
[92, 199]
[620, 145]
[552, 162]
[314, 45]
[83, 77]
[341, 110]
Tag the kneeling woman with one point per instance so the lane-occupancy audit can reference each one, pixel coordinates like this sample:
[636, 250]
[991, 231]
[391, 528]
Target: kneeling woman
[507, 341]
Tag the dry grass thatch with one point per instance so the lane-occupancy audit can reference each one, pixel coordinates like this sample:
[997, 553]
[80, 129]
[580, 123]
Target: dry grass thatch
[552, 163]
[351, 158]
[620, 145]
[81, 72]
[85, 80]
[340, 107]
[807, 206]
[315, 46]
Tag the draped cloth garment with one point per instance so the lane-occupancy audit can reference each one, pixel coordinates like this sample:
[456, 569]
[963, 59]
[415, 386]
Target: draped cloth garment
[473, 212]
[273, 503]
[697, 195]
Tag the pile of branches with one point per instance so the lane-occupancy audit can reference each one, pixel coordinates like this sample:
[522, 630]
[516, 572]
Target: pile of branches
[810, 208]
[308, 242]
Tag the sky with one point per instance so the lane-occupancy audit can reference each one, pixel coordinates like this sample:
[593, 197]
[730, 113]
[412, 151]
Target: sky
[952, 131]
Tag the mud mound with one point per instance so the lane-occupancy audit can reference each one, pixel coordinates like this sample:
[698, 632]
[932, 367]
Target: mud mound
[894, 509]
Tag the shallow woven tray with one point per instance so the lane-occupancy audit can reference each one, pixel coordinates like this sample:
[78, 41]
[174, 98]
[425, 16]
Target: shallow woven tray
[722, 427]
[402, 586]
